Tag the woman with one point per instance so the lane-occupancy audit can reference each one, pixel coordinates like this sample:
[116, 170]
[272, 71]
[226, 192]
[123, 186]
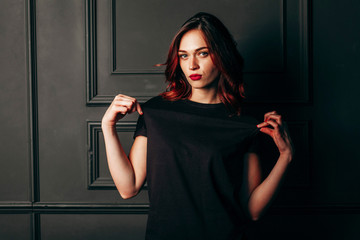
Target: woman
[198, 154]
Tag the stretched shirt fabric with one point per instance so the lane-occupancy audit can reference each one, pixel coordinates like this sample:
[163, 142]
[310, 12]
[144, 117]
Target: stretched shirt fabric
[195, 169]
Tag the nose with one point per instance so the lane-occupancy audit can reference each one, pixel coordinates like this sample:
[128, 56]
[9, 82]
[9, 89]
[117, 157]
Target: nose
[193, 64]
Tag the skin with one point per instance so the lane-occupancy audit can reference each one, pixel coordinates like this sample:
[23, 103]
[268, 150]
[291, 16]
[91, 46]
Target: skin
[129, 173]
[194, 57]
[257, 196]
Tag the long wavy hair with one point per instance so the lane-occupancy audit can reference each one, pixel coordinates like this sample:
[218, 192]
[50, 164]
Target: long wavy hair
[223, 53]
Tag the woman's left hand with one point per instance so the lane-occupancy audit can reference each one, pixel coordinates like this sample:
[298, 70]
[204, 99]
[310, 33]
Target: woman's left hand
[277, 129]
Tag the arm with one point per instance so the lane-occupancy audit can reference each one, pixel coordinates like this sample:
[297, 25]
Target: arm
[128, 173]
[257, 195]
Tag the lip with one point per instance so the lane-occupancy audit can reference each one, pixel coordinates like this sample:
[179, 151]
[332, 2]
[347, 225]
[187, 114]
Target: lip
[195, 76]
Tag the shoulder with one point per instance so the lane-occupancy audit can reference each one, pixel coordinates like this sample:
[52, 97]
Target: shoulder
[154, 101]
[246, 119]
[249, 119]
[157, 102]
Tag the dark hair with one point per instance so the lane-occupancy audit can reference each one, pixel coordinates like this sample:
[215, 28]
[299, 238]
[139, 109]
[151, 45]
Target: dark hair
[223, 53]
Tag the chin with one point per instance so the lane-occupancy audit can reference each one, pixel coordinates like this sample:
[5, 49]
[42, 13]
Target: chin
[198, 86]
[202, 85]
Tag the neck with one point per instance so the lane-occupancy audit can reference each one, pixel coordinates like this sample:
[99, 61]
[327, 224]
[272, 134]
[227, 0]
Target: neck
[208, 96]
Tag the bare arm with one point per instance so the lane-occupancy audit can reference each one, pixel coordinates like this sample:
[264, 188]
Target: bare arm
[257, 195]
[128, 173]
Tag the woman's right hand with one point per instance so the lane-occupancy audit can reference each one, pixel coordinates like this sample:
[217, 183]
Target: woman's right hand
[120, 106]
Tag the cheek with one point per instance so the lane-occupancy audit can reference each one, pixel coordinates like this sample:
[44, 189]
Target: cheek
[210, 67]
[215, 74]
[213, 70]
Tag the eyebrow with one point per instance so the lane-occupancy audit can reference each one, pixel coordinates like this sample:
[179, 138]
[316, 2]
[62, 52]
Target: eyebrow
[196, 50]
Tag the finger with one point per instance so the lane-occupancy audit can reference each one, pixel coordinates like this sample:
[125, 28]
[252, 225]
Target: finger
[124, 103]
[138, 108]
[120, 109]
[130, 103]
[124, 98]
[266, 115]
[273, 123]
[119, 97]
[275, 117]
[263, 124]
[267, 131]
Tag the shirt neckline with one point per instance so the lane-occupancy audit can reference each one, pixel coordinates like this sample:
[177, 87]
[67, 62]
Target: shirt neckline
[203, 105]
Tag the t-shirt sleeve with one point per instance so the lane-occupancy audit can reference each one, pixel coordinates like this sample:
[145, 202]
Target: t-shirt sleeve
[255, 144]
[140, 127]
[264, 146]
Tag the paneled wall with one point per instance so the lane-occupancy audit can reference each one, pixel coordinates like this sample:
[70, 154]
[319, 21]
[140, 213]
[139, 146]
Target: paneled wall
[62, 62]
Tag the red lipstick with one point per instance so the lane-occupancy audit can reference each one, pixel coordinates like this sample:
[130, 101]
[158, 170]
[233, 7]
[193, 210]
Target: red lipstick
[195, 76]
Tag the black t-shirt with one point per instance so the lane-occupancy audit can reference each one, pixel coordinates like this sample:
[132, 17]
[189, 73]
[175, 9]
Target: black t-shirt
[195, 169]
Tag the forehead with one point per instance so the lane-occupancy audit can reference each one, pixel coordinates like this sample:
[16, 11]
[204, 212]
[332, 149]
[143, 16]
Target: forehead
[192, 40]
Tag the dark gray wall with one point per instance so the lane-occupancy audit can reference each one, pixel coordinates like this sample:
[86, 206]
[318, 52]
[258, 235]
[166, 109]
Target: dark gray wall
[63, 61]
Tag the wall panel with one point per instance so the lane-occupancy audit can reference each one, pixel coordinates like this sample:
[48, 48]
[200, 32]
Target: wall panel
[310, 226]
[272, 37]
[93, 226]
[14, 103]
[62, 62]
[99, 174]
[15, 226]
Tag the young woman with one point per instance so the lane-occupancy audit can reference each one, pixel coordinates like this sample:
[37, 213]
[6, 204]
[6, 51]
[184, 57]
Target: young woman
[199, 155]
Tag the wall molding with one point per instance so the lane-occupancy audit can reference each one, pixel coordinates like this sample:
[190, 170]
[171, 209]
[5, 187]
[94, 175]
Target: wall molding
[114, 70]
[66, 208]
[94, 98]
[306, 129]
[33, 100]
[95, 181]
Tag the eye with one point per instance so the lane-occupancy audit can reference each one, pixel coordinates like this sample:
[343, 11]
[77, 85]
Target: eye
[203, 54]
[183, 56]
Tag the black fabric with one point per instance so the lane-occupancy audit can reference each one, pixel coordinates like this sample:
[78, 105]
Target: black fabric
[195, 169]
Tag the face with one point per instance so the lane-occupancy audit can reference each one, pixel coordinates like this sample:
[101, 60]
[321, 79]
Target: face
[195, 61]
